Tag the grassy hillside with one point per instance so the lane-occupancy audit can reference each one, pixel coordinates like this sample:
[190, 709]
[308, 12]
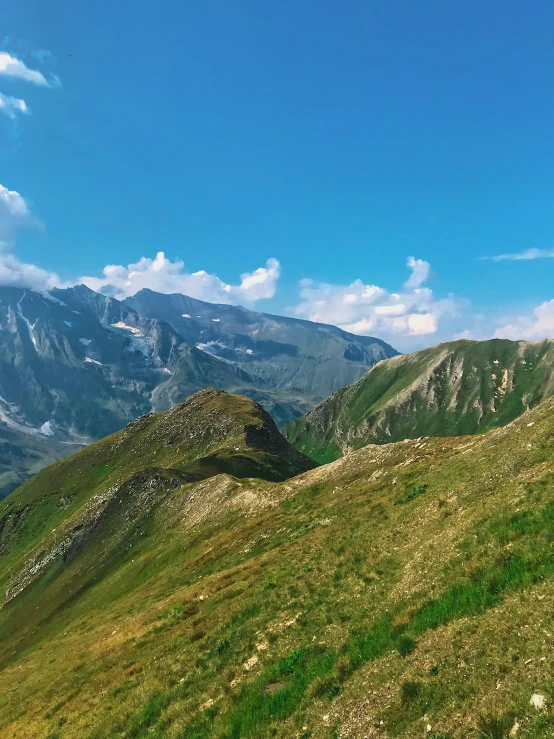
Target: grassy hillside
[126, 474]
[462, 387]
[405, 586]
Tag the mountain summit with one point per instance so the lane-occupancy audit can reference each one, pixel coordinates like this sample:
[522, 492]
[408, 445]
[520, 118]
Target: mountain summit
[213, 432]
[98, 498]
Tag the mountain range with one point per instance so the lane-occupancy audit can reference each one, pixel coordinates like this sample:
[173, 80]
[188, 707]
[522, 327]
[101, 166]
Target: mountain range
[76, 365]
[314, 358]
[461, 387]
[193, 576]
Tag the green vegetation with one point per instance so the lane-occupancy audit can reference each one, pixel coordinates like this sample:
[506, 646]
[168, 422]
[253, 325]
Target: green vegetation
[494, 727]
[174, 605]
[462, 387]
[411, 494]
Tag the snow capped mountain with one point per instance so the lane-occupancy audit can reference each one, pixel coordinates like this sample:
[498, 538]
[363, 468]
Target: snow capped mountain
[76, 365]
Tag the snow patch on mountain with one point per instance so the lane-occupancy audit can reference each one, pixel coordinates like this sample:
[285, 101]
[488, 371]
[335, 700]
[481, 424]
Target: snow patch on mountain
[208, 345]
[27, 322]
[51, 298]
[126, 327]
[46, 429]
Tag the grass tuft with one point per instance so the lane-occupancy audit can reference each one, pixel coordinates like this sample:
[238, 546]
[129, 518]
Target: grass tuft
[411, 495]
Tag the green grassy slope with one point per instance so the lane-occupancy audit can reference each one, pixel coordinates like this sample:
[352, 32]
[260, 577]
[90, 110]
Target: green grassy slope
[406, 585]
[463, 387]
[71, 502]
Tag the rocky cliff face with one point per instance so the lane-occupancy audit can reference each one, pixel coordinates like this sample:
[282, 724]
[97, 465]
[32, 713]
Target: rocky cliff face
[312, 358]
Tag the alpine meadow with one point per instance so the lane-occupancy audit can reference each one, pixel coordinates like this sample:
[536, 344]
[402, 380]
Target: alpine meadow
[276, 370]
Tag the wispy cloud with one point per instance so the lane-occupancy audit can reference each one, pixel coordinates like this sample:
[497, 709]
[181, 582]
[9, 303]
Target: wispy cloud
[41, 54]
[10, 66]
[16, 69]
[536, 325]
[15, 214]
[522, 255]
[11, 106]
[420, 272]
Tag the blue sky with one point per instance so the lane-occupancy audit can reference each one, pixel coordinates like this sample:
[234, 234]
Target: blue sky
[340, 139]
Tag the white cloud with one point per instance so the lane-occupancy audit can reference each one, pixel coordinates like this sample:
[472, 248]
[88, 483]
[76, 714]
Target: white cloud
[408, 315]
[14, 214]
[158, 274]
[15, 273]
[409, 319]
[522, 255]
[10, 66]
[261, 283]
[534, 326]
[11, 106]
[420, 272]
[162, 275]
